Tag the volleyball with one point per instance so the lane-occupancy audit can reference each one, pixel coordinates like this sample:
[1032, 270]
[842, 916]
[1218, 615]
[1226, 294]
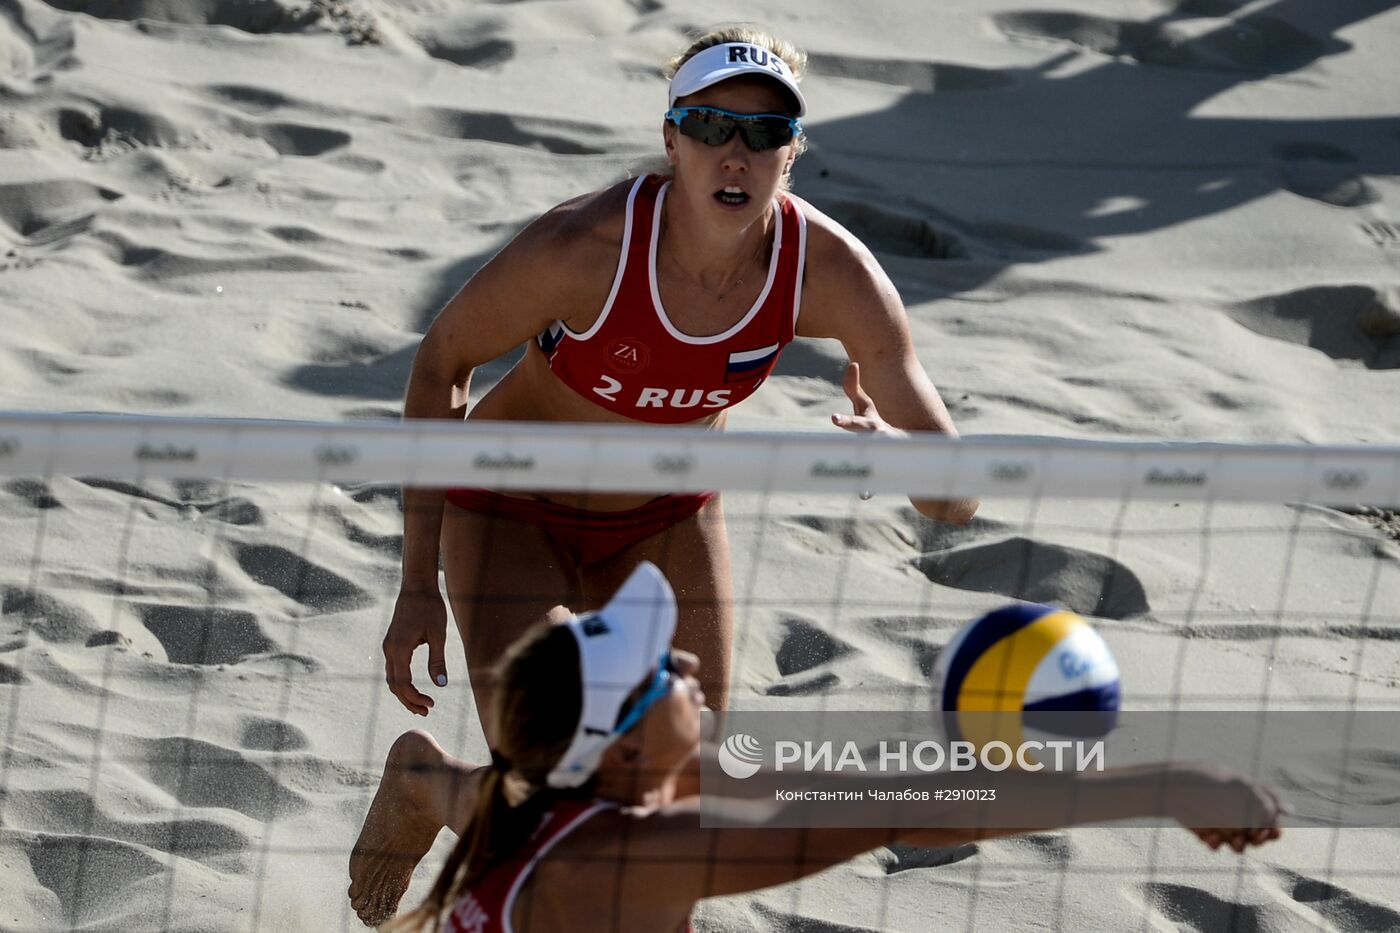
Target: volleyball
[1027, 672]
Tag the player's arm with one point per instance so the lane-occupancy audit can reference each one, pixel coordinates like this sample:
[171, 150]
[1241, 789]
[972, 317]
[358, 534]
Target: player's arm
[514, 296]
[849, 297]
[755, 850]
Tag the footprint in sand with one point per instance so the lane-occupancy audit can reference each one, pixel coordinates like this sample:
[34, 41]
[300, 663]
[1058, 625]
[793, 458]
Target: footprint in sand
[390, 544]
[1020, 568]
[28, 50]
[561, 137]
[74, 812]
[255, 16]
[34, 493]
[206, 498]
[271, 735]
[52, 619]
[805, 646]
[304, 581]
[1383, 233]
[1337, 906]
[201, 774]
[1346, 322]
[205, 634]
[910, 75]
[378, 375]
[250, 100]
[1182, 907]
[918, 231]
[1253, 45]
[44, 212]
[97, 128]
[92, 879]
[898, 858]
[486, 53]
[166, 267]
[1323, 173]
[295, 139]
[897, 232]
[102, 130]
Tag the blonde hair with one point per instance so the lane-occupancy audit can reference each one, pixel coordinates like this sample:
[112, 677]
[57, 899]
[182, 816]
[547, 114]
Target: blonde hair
[795, 58]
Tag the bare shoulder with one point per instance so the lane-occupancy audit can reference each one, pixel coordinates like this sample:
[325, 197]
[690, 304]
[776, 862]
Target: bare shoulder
[561, 265]
[833, 249]
[844, 282]
[587, 223]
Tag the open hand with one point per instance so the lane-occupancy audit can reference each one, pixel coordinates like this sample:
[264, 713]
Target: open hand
[866, 417]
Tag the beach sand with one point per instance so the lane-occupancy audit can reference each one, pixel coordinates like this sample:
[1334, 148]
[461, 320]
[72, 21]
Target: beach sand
[1141, 219]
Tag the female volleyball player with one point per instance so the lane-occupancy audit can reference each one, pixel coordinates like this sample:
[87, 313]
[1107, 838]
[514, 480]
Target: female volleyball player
[663, 300]
[588, 816]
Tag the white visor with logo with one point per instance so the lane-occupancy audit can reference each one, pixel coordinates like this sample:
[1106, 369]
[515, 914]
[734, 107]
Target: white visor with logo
[730, 60]
[619, 647]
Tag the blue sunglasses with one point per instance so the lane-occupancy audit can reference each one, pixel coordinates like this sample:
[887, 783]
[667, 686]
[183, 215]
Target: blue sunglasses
[715, 127]
[660, 686]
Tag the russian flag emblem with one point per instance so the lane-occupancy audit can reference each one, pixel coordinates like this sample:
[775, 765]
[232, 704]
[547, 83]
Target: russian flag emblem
[746, 364]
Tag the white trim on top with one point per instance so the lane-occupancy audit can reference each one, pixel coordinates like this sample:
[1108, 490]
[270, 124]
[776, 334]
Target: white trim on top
[656, 292]
[801, 259]
[623, 457]
[621, 267]
[543, 850]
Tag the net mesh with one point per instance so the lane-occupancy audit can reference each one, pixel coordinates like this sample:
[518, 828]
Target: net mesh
[192, 691]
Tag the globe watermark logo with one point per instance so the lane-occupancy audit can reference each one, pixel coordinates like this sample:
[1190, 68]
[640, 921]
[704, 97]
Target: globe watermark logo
[740, 756]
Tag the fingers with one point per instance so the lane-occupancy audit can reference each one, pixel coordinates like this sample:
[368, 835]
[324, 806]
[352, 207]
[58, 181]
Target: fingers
[861, 403]
[865, 420]
[1238, 839]
[856, 425]
[398, 674]
[437, 662]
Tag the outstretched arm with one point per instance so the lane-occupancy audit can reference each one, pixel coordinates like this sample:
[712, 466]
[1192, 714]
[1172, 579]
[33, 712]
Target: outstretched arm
[1218, 805]
[850, 298]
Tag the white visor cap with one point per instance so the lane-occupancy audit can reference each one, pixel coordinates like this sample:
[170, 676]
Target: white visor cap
[730, 60]
[618, 647]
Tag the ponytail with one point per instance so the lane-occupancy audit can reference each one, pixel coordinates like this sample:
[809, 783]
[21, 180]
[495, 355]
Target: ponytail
[539, 698]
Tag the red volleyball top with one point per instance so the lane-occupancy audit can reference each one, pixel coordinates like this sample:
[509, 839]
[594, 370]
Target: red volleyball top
[487, 907]
[635, 362]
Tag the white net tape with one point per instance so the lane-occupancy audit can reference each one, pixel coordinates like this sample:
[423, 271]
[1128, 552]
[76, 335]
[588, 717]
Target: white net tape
[606, 458]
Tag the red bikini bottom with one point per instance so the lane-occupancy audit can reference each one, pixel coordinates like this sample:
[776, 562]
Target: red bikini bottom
[589, 536]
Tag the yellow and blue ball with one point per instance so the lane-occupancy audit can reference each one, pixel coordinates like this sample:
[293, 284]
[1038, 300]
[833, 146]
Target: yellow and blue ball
[1027, 672]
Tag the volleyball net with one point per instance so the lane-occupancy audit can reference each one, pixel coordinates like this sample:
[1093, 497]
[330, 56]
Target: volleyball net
[192, 695]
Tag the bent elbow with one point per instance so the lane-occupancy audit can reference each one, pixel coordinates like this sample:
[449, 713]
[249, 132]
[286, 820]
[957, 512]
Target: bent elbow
[952, 511]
